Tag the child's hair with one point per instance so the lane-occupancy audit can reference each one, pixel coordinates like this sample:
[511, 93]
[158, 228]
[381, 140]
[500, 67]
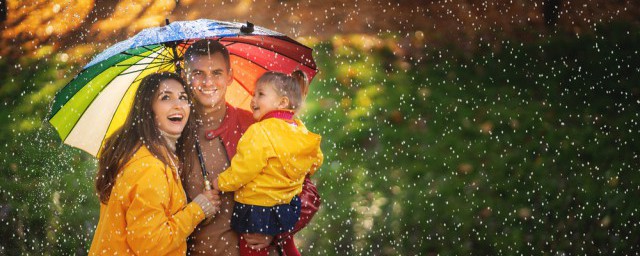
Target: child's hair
[138, 129]
[294, 86]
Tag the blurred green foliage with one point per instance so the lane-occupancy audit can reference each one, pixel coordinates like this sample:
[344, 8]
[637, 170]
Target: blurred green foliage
[519, 148]
[47, 204]
[526, 148]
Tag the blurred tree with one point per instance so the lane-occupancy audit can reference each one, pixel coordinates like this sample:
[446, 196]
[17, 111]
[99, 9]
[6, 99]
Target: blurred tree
[66, 24]
[449, 128]
[551, 10]
[3, 10]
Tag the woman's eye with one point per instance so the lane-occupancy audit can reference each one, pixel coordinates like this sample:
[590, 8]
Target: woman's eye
[183, 97]
[164, 97]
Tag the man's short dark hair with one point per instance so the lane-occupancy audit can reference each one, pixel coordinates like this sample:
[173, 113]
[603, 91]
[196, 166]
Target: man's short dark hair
[205, 47]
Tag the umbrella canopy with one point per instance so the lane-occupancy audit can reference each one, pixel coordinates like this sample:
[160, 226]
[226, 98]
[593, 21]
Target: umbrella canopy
[97, 101]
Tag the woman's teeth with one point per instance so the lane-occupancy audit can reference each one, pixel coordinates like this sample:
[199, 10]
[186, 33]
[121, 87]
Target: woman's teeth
[175, 118]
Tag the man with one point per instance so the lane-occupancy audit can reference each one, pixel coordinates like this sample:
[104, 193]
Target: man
[208, 72]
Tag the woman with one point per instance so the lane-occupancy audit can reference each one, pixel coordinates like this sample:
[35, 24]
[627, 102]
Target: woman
[143, 208]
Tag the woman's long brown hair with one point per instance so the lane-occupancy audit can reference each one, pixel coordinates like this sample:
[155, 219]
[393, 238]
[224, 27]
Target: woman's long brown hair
[186, 146]
[139, 129]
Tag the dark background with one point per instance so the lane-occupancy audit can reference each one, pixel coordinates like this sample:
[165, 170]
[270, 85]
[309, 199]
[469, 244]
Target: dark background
[449, 127]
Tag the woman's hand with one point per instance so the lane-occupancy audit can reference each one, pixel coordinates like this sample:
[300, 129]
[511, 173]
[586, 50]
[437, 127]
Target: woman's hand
[214, 197]
[258, 241]
[209, 201]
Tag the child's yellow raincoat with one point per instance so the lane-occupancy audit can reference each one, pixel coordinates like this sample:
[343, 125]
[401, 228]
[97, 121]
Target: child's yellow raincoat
[271, 162]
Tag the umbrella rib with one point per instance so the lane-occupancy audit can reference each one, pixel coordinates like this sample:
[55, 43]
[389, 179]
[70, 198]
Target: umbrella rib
[134, 55]
[134, 64]
[138, 55]
[272, 51]
[159, 52]
[160, 67]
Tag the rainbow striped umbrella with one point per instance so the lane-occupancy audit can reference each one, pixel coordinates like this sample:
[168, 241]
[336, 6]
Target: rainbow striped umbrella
[97, 101]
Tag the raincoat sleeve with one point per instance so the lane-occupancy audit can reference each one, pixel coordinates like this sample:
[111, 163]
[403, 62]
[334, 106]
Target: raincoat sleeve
[151, 228]
[254, 150]
[318, 163]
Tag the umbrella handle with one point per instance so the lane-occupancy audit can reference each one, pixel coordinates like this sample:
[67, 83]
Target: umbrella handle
[207, 183]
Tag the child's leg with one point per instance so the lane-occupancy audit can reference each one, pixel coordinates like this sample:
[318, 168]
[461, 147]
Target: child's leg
[245, 250]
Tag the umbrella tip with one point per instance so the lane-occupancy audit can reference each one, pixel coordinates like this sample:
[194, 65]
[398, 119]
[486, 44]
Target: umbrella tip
[247, 29]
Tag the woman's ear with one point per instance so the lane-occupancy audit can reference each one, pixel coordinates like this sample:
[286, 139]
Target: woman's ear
[284, 103]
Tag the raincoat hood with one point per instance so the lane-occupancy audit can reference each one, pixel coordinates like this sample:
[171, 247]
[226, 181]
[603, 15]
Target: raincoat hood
[297, 148]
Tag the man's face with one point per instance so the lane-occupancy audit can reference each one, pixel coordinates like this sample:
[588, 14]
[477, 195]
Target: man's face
[208, 76]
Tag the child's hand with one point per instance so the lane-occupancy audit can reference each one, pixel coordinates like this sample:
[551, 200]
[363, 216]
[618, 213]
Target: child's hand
[215, 185]
[258, 241]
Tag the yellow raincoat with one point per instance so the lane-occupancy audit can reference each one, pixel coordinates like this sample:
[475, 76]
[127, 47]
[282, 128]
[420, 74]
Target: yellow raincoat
[271, 162]
[147, 212]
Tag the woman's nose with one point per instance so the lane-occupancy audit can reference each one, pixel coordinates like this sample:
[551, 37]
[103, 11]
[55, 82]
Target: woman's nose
[179, 103]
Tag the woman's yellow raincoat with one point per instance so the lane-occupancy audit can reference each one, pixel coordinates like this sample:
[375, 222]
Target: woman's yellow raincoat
[147, 212]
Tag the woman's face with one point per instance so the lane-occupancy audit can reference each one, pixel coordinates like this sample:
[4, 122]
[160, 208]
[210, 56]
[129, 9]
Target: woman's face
[171, 107]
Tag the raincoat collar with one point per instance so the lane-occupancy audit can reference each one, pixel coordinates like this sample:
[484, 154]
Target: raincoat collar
[286, 115]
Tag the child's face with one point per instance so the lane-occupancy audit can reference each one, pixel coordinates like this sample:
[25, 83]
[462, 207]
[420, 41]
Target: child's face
[266, 99]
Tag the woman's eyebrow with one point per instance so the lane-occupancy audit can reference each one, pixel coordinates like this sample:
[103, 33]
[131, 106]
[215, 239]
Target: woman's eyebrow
[165, 92]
